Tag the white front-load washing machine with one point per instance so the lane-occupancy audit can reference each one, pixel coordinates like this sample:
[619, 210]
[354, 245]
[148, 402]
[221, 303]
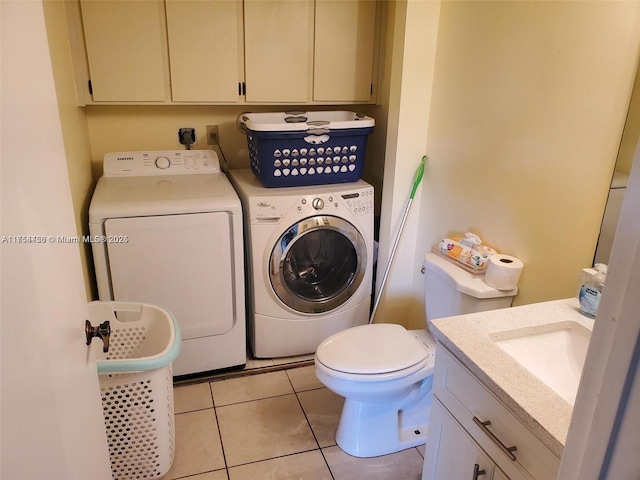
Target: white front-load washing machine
[167, 229]
[310, 259]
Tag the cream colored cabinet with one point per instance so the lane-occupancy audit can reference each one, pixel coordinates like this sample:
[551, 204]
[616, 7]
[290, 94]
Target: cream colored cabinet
[205, 50]
[126, 50]
[466, 411]
[225, 51]
[456, 454]
[344, 50]
[310, 51]
[278, 50]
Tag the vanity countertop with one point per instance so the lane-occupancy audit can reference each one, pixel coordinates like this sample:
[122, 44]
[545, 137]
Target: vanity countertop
[538, 407]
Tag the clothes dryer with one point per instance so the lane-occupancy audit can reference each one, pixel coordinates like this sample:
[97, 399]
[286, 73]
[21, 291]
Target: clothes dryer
[310, 259]
[167, 229]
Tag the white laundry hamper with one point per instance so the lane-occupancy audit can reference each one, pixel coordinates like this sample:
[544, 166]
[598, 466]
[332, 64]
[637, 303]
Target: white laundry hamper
[136, 385]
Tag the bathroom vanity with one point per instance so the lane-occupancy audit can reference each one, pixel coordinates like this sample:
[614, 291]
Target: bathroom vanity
[504, 386]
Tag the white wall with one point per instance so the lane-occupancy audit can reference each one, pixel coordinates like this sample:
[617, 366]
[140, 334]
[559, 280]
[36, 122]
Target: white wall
[51, 414]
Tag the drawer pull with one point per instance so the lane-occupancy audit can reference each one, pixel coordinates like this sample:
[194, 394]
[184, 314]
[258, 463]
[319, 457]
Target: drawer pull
[508, 451]
[477, 472]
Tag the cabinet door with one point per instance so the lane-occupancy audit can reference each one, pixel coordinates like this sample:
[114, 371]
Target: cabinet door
[126, 50]
[344, 47]
[205, 50]
[499, 475]
[451, 452]
[277, 50]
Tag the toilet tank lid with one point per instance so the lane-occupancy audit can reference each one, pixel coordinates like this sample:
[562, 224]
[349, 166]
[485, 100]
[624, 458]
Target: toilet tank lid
[461, 280]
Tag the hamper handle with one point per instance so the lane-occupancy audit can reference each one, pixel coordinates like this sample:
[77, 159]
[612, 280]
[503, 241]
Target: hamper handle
[295, 117]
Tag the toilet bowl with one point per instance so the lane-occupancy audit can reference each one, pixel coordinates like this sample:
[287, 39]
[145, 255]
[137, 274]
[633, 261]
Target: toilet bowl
[385, 372]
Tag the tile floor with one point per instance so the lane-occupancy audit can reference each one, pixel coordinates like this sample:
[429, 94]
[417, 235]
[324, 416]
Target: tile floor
[274, 425]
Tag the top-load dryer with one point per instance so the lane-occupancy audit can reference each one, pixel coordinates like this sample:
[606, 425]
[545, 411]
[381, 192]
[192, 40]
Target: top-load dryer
[167, 229]
[310, 259]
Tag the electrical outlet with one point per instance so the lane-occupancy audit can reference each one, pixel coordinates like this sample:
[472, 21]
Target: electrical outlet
[187, 136]
[212, 135]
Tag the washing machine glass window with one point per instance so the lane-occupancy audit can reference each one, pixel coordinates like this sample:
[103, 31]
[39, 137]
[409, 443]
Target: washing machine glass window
[317, 264]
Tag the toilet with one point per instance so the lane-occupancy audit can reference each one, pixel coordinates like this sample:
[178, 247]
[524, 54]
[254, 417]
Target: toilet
[385, 372]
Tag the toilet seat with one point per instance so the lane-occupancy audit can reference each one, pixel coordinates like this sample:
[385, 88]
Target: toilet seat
[380, 350]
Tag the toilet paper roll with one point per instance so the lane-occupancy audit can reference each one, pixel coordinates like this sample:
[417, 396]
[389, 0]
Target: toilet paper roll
[503, 272]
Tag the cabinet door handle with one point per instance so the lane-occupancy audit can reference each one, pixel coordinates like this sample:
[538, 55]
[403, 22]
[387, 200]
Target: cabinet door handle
[477, 472]
[508, 451]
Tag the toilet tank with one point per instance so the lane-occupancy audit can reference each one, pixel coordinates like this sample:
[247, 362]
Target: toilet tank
[450, 290]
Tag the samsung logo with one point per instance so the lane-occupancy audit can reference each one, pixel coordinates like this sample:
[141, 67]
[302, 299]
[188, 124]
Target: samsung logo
[124, 158]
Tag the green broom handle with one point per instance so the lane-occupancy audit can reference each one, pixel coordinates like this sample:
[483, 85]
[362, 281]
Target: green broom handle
[418, 177]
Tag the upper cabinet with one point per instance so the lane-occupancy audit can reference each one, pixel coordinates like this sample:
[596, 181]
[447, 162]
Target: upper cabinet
[225, 51]
[278, 49]
[205, 50]
[344, 50]
[126, 50]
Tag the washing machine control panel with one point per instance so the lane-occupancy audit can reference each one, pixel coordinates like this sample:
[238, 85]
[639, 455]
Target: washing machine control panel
[164, 162]
[273, 209]
[358, 202]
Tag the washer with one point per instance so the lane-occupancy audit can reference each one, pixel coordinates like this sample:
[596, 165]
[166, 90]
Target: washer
[310, 256]
[167, 229]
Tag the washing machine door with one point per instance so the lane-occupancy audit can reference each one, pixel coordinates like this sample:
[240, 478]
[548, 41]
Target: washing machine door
[317, 264]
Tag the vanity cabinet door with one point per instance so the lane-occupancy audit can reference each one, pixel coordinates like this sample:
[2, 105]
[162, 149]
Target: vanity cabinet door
[205, 50]
[499, 475]
[126, 50]
[492, 425]
[451, 452]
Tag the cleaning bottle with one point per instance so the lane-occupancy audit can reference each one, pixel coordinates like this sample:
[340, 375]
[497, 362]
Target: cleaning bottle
[591, 291]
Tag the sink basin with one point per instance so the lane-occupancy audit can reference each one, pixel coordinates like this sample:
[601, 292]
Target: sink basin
[555, 355]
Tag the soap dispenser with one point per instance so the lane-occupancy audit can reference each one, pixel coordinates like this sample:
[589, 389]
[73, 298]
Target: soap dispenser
[591, 291]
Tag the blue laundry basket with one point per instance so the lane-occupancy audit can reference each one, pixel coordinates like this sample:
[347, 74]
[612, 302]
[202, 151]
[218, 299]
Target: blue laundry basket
[290, 149]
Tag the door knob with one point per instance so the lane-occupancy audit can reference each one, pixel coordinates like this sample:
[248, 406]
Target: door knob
[102, 331]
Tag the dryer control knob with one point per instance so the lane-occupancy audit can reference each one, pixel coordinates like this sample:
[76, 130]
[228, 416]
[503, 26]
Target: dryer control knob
[317, 203]
[162, 163]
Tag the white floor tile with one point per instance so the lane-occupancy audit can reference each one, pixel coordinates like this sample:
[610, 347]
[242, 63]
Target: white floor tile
[301, 466]
[189, 398]
[304, 378]
[198, 446]
[263, 429]
[322, 408]
[266, 434]
[405, 465]
[252, 387]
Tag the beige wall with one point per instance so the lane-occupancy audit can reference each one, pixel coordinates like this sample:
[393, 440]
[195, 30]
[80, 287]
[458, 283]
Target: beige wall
[409, 71]
[74, 132]
[528, 105]
[130, 128]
